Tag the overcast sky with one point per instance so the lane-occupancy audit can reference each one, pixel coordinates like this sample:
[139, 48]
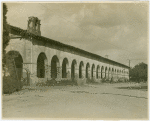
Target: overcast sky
[119, 30]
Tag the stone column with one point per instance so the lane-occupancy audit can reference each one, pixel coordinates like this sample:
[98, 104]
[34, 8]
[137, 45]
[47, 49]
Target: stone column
[69, 73]
[48, 72]
[83, 73]
[94, 75]
[103, 73]
[89, 73]
[32, 73]
[99, 75]
[106, 74]
[76, 72]
[59, 73]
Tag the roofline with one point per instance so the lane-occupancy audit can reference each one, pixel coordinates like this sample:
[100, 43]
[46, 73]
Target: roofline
[22, 32]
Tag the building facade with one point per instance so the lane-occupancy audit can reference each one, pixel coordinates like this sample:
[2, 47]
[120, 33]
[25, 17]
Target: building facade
[46, 59]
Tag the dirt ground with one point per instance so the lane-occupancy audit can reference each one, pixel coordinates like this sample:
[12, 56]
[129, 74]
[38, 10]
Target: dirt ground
[91, 101]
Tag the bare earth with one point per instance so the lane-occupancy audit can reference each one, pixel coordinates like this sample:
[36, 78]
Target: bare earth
[93, 101]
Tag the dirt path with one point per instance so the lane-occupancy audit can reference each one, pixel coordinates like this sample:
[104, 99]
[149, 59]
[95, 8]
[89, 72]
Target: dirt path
[73, 102]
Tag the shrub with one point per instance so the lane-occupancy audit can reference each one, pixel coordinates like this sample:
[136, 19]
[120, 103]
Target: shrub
[67, 82]
[88, 80]
[11, 85]
[51, 82]
[41, 84]
[63, 82]
[103, 80]
[81, 82]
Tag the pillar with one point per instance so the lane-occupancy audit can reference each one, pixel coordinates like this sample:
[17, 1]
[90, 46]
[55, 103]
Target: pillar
[89, 73]
[94, 74]
[83, 73]
[69, 73]
[59, 73]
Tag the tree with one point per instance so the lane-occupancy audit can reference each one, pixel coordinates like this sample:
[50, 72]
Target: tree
[5, 34]
[10, 83]
[139, 72]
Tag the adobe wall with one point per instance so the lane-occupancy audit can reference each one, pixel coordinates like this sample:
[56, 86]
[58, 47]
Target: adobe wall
[30, 50]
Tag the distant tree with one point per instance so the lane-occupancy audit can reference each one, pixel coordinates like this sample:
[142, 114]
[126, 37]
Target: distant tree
[139, 72]
[5, 34]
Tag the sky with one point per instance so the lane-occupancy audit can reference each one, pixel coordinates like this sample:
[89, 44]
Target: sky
[117, 31]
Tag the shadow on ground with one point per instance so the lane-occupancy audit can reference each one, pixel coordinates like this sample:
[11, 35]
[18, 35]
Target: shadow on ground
[125, 95]
[142, 88]
[108, 94]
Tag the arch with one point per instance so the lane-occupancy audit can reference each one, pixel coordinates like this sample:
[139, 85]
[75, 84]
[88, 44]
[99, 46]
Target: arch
[92, 70]
[87, 70]
[73, 67]
[41, 62]
[54, 67]
[81, 69]
[14, 57]
[102, 69]
[65, 65]
[97, 71]
[105, 71]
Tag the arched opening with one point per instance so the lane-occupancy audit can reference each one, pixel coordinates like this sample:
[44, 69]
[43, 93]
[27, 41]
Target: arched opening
[73, 66]
[117, 72]
[92, 71]
[81, 69]
[97, 72]
[109, 73]
[64, 67]
[112, 73]
[87, 70]
[105, 72]
[14, 59]
[102, 69]
[54, 67]
[41, 64]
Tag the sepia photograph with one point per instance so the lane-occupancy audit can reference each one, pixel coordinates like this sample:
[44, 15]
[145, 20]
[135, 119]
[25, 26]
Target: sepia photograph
[75, 60]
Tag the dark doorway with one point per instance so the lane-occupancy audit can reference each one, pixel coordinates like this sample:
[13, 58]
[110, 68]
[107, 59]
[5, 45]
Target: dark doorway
[73, 66]
[54, 67]
[80, 69]
[41, 63]
[64, 68]
[87, 70]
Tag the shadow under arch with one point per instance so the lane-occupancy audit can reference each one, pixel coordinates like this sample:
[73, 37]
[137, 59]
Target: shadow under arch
[73, 68]
[81, 66]
[54, 67]
[97, 71]
[65, 65]
[14, 59]
[106, 72]
[102, 69]
[92, 70]
[112, 72]
[87, 70]
[41, 65]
